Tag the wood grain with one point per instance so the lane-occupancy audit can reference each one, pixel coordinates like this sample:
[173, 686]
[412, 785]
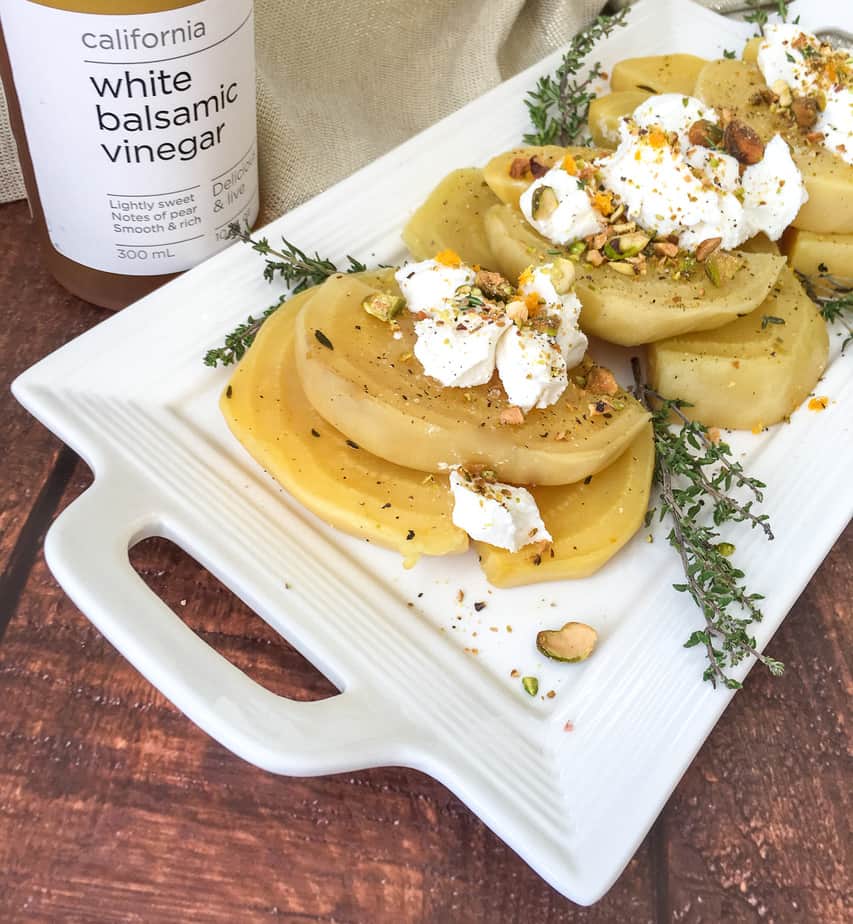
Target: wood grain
[114, 807]
[37, 317]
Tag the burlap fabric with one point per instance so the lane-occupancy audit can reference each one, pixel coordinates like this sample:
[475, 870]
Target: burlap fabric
[341, 82]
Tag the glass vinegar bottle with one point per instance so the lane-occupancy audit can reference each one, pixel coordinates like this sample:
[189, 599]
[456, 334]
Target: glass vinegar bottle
[136, 130]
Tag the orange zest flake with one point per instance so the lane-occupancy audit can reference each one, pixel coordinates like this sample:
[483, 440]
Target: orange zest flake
[570, 165]
[657, 138]
[448, 258]
[531, 300]
[525, 277]
[603, 201]
[758, 428]
[818, 404]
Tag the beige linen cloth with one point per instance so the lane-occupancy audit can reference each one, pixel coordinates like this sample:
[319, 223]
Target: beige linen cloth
[341, 82]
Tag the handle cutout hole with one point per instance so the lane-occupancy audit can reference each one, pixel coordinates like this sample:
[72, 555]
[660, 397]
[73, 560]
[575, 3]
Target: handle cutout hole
[221, 618]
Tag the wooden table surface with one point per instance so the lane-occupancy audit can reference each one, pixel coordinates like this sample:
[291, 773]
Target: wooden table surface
[114, 807]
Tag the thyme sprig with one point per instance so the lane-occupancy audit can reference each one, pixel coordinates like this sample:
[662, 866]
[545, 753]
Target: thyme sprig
[833, 296]
[241, 338]
[761, 13]
[295, 267]
[299, 270]
[697, 477]
[559, 104]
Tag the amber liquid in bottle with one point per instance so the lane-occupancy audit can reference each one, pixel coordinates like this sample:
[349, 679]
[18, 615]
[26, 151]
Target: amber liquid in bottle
[136, 131]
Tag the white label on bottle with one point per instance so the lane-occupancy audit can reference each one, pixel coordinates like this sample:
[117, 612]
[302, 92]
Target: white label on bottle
[141, 129]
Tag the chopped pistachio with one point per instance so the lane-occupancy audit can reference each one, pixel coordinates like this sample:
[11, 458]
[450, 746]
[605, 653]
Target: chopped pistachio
[544, 203]
[383, 306]
[707, 247]
[517, 312]
[721, 267]
[625, 269]
[726, 549]
[574, 642]
[562, 275]
[685, 266]
[626, 245]
[531, 685]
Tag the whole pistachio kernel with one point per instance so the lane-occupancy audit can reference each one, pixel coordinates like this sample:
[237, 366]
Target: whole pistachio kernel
[574, 642]
[383, 306]
[544, 203]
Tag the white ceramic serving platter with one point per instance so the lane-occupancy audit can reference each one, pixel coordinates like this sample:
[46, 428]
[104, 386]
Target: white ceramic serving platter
[133, 398]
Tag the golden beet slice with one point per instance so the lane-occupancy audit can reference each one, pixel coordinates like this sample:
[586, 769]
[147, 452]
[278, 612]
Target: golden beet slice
[636, 309]
[606, 113]
[658, 73]
[347, 487]
[734, 85]
[452, 219]
[507, 181]
[753, 372]
[813, 253]
[589, 522]
[369, 386]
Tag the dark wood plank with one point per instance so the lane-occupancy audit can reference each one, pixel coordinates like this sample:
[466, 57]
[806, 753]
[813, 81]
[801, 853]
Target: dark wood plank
[37, 317]
[759, 828]
[113, 806]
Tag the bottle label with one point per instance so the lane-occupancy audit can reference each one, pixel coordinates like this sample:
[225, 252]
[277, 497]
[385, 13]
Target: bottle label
[141, 129]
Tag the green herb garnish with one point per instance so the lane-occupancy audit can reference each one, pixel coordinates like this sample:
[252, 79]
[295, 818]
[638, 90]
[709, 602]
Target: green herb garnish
[760, 14]
[696, 479]
[291, 264]
[559, 105]
[833, 296]
[323, 340]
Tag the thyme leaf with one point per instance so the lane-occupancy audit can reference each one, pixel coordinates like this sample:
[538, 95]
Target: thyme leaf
[559, 104]
[697, 477]
[240, 339]
[833, 296]
[761, 13]
[298, 270]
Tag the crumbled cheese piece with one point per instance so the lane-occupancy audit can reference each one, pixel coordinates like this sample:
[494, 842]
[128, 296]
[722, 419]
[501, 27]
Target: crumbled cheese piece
[460, 353]
[456, 348]
[575, 216]
[501, 514]
[798, 59]
[533, 364]
[430, 285]
[764, 202]
[460, 345]
[674, 187]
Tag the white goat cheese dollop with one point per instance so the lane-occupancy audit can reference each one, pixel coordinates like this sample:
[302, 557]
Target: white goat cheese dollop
[461, 347]
[533, 365]
[500, 514]
[674, 187]
[457, 348]
[573, 219]
[789, 54]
